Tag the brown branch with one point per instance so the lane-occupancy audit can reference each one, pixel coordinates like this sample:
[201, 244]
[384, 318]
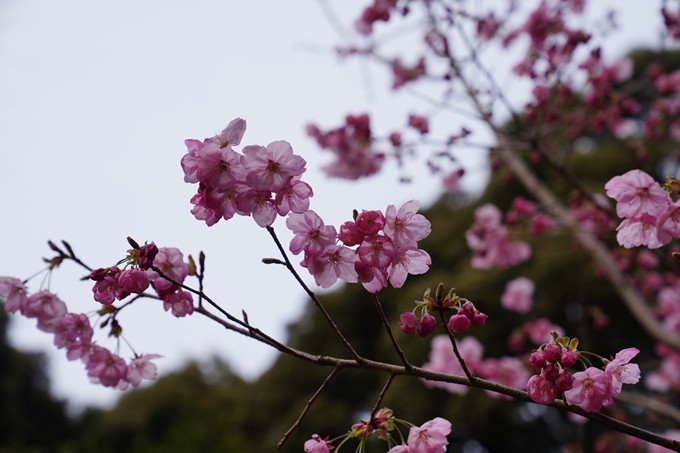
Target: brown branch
[395, 345]
[297, 423]
[383, 392]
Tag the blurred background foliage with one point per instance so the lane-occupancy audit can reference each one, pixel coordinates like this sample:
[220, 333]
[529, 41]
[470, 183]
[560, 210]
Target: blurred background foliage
[208, 408]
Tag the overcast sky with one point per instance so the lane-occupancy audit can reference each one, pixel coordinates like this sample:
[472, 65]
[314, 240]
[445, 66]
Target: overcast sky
[98, 98]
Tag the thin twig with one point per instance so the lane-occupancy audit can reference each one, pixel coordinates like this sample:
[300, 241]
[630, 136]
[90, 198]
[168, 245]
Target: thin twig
[452, 338]
[383, 392]
[316, 301]
[395, 345]
[297, 423]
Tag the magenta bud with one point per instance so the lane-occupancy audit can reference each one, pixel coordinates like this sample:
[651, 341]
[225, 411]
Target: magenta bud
[458, 323]
[479, 319]
[147, 253]
[467, 310]
[550, 372]
[98, 274]
[408, 322]
[565, 381]
[568, 359]
[553, 353]
[537, 359]
[427, 325]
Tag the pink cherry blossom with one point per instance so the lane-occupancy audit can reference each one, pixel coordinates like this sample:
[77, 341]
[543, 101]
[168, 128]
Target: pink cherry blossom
[219, 168]
[638, 231]
[72, 327]
[45, 306]
[370, 222]
[260, 204]
[133, 281]
[105, 367]
[451, 180]
[180, 302]
[350, 234]
[335, 262]
[539, 330]
[232, 134]
[427, 325]
[430, 437]
[377, 251]
[636, 193]
[414, 262]
[317, 445]
[518, 295]
[620, 371]
[311, 234]
[400, 449]
[294, 198]
[668, 223]
[591, 390]
[408, 322]
[141, 368]
[14, 292]
[271, 168]
[170, 261]
[405, 227]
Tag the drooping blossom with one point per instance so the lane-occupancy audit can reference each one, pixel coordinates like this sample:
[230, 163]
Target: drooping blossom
[141, 368]
[430, 437]
[317, 445]
[105, 367]
[14, 292]
[179, 302]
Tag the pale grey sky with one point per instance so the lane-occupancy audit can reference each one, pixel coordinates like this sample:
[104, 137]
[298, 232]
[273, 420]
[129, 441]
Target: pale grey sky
[98, 98]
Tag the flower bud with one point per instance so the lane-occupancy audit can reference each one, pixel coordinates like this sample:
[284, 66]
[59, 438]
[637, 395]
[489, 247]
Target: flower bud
[427, 325]
[565, 381]
[552, 353]
[550, 372]
[458, 323]
[408, 322]
[537, 359]
[478, 319]
[568, 359]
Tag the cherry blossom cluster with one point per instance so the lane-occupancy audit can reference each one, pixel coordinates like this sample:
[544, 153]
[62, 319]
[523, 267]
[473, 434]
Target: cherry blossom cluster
[352, 146]
[651, 218]
[262, 182]
[589, 389]
[428, 438]
[386, 246]
[113, 284]
[523, 210]
[466, 313]
[507, 370]
[73, 332]
[490, 242]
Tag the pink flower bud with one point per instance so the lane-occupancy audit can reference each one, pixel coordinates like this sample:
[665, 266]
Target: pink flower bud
[467, 310]
[479, 319]
[550, 372]
[133, 281]
[427, 325]
[98, 274]
[552, 353]
[568, 359]
[370, 222]
[408, 322]
[537, 359]
[565, 381]
[459, 323]
[541, 390]
[350, 234]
